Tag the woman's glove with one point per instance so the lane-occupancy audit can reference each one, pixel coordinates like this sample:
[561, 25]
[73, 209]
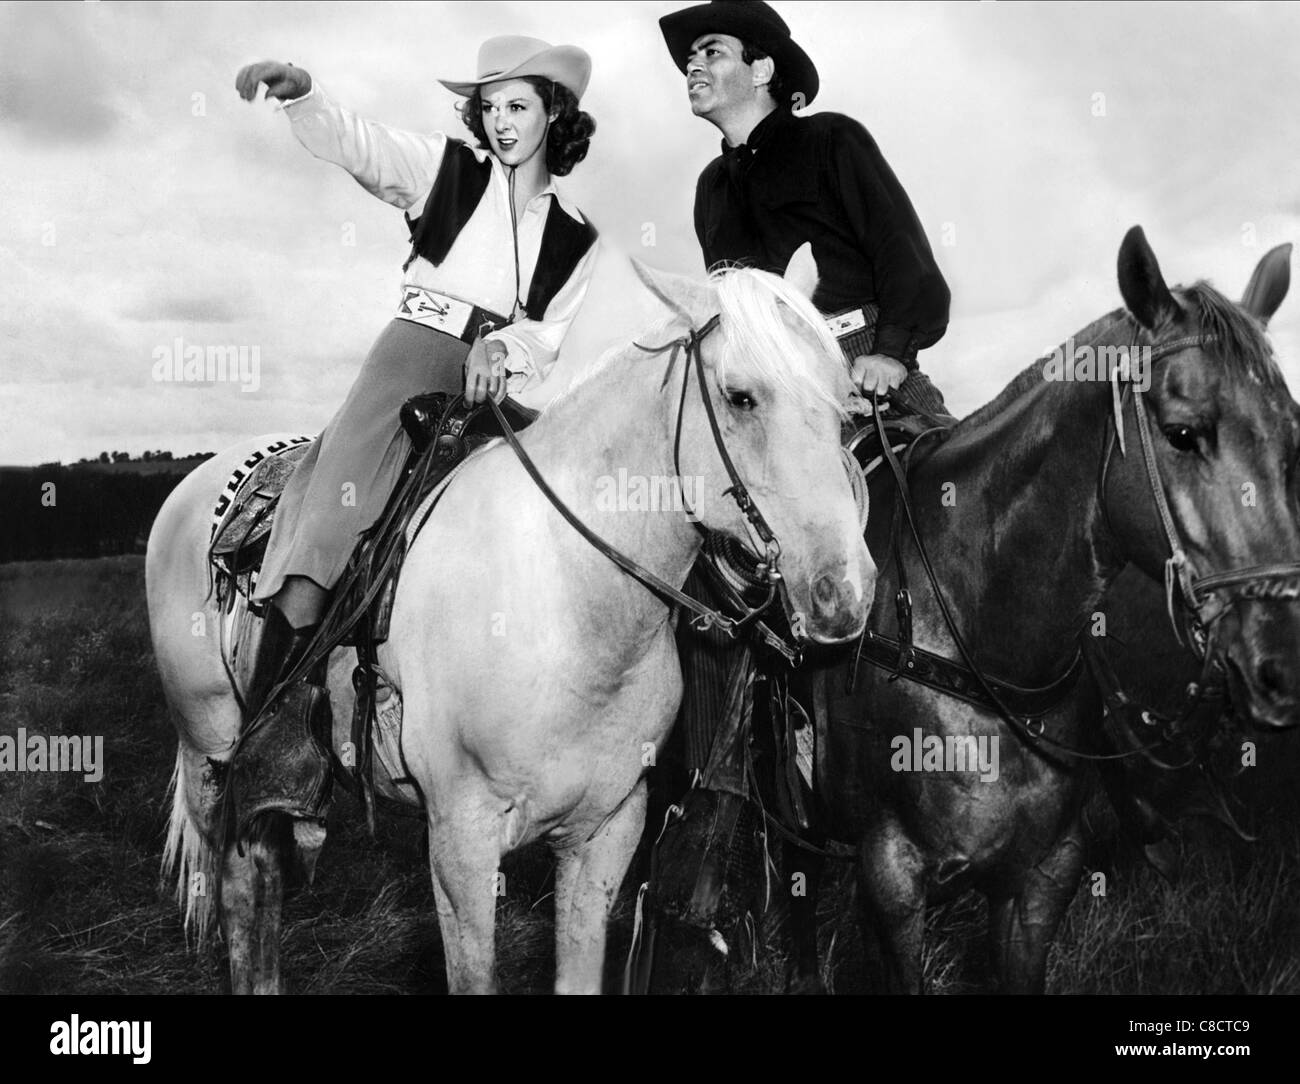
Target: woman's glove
[283, 81]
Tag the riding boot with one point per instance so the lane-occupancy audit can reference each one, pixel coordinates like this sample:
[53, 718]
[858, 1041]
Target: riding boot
[283, 762]
[703, 880]
[280, 649]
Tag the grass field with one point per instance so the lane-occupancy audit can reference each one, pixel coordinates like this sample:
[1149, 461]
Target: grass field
[81, 909]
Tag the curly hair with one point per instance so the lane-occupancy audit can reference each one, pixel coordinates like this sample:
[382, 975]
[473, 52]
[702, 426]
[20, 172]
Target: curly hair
[569, 135]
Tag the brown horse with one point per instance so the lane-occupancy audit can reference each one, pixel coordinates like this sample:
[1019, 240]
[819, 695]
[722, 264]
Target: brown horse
[1029, 509]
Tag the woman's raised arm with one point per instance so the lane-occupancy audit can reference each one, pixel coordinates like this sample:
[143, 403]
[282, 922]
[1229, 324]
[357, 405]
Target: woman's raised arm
[397, 166]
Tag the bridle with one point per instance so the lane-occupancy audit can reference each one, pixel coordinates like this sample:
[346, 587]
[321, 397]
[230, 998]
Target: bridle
[768, 571]
[1206, 599]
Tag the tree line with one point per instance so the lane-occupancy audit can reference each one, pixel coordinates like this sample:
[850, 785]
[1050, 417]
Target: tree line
[56, 511]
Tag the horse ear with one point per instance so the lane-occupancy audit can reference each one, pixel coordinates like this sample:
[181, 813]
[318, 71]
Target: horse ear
[1269, 284]
[672, 291]
[1141, 284]
[801, 271]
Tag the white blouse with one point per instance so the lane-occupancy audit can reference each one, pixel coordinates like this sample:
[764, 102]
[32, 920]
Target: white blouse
[399, 167]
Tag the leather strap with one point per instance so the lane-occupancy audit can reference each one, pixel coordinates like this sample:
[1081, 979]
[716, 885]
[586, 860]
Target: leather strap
[705, 617]
[947, 676]
[1030, 729]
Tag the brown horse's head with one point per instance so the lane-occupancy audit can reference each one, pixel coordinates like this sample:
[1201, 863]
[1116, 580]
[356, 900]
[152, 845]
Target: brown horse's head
[1225, 435]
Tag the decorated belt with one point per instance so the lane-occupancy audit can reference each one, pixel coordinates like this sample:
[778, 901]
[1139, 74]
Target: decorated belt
[855, 330]
[449, 315]
[843, 324]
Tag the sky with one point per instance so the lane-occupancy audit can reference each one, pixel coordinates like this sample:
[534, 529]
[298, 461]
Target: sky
[142, 201]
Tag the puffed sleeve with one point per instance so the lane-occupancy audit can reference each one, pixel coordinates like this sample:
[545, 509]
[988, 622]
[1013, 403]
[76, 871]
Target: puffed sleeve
[398, 167]
[533, 345]
[910, 289]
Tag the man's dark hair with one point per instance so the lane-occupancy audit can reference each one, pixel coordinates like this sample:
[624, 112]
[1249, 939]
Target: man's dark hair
[776, 85]
[567, 139]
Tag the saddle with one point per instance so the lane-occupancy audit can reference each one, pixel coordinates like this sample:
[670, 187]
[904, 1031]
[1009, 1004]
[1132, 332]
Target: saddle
[443, 430]
[440, 424]
[862, 440]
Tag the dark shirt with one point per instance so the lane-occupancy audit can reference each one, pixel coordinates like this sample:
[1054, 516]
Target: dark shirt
[822, 179]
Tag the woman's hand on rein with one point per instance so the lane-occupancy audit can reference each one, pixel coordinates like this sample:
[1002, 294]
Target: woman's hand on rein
[283, 81]
[485, 372]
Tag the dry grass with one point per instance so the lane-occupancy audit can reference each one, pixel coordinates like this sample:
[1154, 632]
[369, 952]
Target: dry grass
[81, 910]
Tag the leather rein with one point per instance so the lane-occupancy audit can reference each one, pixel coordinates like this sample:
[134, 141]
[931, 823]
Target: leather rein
[1200, 596]
[768, 570]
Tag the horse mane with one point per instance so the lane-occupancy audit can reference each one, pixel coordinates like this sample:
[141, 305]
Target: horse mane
[1241, 346]
[1032, 375]
[756, 339]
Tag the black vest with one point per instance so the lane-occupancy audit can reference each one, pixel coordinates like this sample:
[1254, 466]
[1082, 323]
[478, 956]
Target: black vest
[462, 180]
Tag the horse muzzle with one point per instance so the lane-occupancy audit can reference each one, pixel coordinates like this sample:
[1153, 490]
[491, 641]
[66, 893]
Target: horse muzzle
[838, 603]
[1263, 666]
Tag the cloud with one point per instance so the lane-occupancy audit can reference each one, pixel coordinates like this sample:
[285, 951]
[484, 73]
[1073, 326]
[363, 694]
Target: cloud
[141, 200]
[196, 308]
[53, 85]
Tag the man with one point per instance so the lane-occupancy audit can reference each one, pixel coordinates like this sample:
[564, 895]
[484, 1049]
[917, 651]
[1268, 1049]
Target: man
[780, 181]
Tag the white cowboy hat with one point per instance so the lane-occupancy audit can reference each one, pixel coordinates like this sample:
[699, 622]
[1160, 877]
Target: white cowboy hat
[514, 57]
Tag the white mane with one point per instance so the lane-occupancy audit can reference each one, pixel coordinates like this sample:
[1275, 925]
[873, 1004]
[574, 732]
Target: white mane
[756, 340]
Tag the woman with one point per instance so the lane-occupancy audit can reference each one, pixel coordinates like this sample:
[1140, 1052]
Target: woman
[498, 260]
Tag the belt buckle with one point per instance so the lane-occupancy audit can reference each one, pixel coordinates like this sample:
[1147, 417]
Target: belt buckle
[845, 323]
[417, 301]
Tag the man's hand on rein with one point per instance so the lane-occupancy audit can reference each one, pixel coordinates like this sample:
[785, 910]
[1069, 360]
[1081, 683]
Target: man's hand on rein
[878, 373]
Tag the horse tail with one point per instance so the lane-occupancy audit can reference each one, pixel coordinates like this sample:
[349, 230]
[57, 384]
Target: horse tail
[189, 856]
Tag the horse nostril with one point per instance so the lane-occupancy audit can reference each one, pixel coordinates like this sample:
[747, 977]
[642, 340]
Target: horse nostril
[1271, 677]
[824, 593]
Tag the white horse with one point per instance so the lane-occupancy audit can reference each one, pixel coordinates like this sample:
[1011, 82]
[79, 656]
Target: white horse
[537, 678]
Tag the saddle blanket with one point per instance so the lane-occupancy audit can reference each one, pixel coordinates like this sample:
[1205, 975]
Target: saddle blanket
[241, 517]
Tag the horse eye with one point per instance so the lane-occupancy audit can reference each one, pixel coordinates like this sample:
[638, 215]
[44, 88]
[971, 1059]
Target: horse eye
[1181, 437]
[741, 400]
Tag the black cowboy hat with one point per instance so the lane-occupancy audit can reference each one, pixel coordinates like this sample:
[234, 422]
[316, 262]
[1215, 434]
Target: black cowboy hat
[752, 21]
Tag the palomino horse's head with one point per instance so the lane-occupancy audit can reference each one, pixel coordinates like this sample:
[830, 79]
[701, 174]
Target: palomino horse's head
[1223, 435]
[778, 385]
